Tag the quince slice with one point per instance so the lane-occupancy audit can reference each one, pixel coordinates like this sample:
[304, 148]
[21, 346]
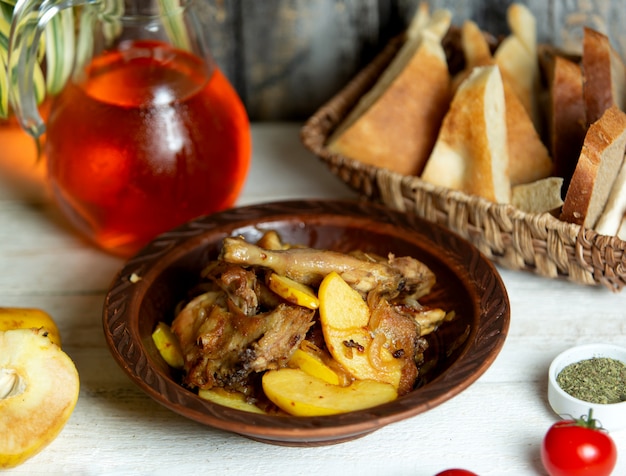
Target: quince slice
[39, 387]
[228, 399]
[300, 394]
[313, 365]
[168, 346]
[293, 291]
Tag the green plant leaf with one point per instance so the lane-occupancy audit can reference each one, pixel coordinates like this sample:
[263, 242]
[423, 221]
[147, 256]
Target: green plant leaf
[6, 12]
[110, 13]
[84, 42]
[6, 86]
[60, 49]
[171, 11]
[4, 89]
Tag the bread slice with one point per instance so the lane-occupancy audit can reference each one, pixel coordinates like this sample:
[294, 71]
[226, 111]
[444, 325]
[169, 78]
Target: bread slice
[567, 122]
[523, 25]
[529, 159]
[436, 24]
[475, 46]
[600, 161]
[395, 124]
[611, 218]
[475, 49]
[471, 153]
[518, 61]
[604, 82]
[538, 197]
[419, 21]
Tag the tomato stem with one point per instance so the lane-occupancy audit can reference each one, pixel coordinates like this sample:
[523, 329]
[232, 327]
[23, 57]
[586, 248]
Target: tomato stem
[587, 421]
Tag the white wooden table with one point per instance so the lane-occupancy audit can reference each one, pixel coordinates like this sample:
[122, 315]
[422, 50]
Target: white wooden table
[495, 427]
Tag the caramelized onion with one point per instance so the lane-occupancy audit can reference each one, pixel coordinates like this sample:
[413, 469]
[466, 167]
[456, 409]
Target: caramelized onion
[375, 355]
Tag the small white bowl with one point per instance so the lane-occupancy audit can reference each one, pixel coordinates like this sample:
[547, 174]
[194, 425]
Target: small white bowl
[611, 416]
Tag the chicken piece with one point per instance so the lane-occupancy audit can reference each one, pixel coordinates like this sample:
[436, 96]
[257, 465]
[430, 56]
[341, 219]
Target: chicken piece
[245, 288]
[419, 278]
[222, 347]
[187, 322]
[271, 240]
[401, 333]
[241, 287]
[309, 266]
[428, 319]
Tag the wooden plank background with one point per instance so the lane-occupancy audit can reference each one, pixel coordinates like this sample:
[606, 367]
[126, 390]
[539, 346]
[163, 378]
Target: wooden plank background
[287, 57]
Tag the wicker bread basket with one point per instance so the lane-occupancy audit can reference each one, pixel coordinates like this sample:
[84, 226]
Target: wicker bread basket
[539, 243]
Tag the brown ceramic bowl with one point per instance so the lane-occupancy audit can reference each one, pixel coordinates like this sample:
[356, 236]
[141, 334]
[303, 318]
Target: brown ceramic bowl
[149, 286]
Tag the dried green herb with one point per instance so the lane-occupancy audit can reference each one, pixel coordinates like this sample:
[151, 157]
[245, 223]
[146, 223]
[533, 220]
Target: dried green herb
[595, 380]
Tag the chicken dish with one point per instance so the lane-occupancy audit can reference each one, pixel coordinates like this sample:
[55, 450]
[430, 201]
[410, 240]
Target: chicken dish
[236, 327]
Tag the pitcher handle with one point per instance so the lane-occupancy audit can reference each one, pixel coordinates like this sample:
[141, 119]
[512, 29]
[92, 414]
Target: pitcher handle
[29, 21]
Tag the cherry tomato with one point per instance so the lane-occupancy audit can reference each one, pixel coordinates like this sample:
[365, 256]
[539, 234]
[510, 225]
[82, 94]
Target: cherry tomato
[578, 448]
[456, 472]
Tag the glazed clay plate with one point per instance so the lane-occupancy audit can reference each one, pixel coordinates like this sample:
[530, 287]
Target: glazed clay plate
[150, 285]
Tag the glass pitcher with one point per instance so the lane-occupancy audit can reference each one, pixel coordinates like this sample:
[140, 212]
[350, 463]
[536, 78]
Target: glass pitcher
[147, 132]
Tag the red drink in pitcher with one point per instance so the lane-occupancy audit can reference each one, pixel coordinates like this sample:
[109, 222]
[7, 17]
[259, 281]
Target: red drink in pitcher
[151, 139]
